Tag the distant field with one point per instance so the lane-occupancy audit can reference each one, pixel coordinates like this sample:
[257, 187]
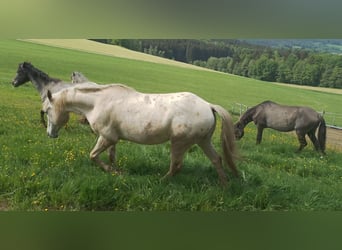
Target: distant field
[41, 174]
[117, 51]
[110, 50]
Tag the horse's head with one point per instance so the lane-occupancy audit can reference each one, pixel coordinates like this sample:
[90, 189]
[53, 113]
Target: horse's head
[22, 75]
[78, 77]
[56, 113]
[239, 130]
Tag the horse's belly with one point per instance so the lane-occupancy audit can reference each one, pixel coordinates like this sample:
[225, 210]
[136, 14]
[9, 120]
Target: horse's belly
[283, 126]
[145, 132]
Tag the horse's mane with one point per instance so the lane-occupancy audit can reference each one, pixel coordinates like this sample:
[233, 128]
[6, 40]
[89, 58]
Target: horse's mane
[265, 103]
[247, 116]
[99, 88]
[40, 73]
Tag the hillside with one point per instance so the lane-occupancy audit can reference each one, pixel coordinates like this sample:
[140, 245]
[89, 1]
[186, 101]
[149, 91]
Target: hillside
[117, 51]
[281, 63]
[109, 50]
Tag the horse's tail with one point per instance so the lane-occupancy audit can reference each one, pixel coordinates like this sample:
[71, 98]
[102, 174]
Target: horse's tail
[227, 138]
[322, 134]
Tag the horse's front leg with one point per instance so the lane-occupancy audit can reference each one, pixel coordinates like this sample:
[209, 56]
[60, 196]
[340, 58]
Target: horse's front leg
[42, 120]
[259, 134]
[101, 145]
[111, 154]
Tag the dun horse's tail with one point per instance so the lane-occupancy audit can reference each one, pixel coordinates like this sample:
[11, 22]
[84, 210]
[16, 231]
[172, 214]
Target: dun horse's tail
[322, 135]
[227, 138]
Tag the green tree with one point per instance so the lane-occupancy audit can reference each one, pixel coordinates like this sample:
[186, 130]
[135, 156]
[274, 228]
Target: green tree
[266, 69]
[212, 63]
[336, 77]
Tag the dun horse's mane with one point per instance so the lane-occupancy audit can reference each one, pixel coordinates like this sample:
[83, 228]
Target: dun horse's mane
[247, 116]
[249, 113]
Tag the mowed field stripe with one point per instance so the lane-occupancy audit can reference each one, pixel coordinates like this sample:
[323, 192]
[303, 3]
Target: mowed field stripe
[110, 50]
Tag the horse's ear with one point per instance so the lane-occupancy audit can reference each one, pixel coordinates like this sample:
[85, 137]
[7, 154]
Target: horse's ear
[49, 95]
[24, 65]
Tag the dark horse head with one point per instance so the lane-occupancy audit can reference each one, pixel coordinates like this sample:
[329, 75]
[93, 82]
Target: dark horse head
[22, 75]
[27, 72]
[42, 82]
[239, 130]
[244, 119]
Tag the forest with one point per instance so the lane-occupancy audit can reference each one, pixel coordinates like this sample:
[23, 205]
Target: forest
[285, 64]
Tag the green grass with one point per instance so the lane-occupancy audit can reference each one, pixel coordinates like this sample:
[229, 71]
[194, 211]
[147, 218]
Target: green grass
[39, 173]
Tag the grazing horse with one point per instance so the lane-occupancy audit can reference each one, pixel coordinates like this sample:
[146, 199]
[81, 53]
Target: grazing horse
[42, 82]
[303, 120]
[117, 112]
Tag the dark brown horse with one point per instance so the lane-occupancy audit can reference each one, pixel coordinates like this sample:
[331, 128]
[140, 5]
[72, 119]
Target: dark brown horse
[303, 120]
[43, 82]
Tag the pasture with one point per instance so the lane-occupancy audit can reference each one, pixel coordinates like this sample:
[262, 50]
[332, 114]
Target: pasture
[42, 174]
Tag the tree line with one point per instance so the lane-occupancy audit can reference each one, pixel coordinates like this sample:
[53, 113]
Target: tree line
[286, 65]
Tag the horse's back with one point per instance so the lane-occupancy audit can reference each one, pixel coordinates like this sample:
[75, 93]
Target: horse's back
[287, 118]
[308, 115]
[153, 118]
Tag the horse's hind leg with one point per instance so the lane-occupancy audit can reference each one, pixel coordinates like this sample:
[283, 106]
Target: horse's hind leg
[314, 140]
[178, 150]
[216, 160]
[301, 139]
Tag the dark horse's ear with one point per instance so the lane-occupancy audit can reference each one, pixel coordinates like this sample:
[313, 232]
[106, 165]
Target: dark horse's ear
[49, 95]
[24, 65]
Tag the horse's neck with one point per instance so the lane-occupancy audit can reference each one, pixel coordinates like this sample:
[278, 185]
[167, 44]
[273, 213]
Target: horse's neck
[247, 117]
[78, 102]
[40, 84]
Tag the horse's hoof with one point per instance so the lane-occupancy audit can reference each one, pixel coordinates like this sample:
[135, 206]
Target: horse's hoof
[224, 182]
[115, 172]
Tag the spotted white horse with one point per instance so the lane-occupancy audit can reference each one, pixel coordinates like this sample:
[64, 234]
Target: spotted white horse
[119, 112]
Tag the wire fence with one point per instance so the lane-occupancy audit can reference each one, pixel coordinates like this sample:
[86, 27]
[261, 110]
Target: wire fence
[333, 120]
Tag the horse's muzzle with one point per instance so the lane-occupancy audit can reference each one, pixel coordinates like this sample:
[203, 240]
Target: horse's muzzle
[52, 135]
[14, 83]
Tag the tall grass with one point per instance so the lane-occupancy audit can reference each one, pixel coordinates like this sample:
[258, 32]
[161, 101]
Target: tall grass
[39, 173]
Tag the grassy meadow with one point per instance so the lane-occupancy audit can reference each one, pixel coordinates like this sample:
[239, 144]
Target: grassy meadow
[42, 174]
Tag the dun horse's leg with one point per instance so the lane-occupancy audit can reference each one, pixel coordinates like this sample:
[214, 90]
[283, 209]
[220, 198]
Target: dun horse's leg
[259, 135]
[101, 145]
[314, 140]
[216, 160]
[301, 139]
[177, 154]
